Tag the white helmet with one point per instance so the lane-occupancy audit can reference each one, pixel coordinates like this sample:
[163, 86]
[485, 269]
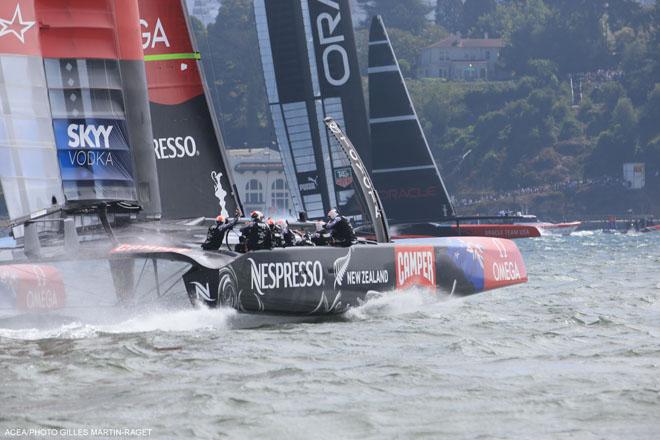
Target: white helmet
[333, 214]
[319, 226]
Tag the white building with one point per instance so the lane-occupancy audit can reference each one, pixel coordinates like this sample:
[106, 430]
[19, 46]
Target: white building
[261, 182]
[205, 11]
[461, 59]
[634, 175]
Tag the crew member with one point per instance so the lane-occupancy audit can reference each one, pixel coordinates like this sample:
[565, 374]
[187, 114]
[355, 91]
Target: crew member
[256, 235]
[340, 229]
[276, 233]
[216, 234]
[322, 236]
[288, 237]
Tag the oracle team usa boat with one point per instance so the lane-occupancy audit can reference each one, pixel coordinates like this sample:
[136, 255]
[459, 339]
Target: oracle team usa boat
[158, 247]
[405, 171]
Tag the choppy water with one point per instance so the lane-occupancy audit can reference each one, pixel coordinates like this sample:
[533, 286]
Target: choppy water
[575, 353]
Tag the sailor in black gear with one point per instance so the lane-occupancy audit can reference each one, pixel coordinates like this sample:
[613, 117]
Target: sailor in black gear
[276, 233]
[321, 237]
[340, 229]
[288, 236]
[216, 234]
[257, 235]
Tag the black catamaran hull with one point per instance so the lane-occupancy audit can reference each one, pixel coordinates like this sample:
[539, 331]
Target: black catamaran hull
[318, 281]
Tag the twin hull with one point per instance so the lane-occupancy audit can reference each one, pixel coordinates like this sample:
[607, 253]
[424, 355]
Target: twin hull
[318, 280]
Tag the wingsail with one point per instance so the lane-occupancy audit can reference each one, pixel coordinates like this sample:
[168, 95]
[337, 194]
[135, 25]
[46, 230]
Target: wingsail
[404, 170]
[76, 122]
[194, 178]
[310, 67]
[29, 173]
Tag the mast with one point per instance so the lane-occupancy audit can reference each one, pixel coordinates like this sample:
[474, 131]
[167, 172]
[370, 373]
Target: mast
[311, 72]
[404, 169]
[195, 180]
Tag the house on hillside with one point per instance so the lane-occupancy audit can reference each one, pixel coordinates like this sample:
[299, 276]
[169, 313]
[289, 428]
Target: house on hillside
[461, 59]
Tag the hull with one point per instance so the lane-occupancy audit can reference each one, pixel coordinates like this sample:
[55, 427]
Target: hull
[507, 231]
[169, 268]
[556, 228]
[318, 281]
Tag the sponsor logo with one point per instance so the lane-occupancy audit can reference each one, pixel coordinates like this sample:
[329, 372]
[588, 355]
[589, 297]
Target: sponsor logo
[219, 192]
[343, 276]
[343, 177]
[328, 27]
[158, 36]
[410, 193]
[506, 270]
[202, 291]
[34, 287]
[415, 266]
[16, 26]
[175, 147]
[145, 248]
[284, 275]
[311, 185]
[367, 277]
[89, 136]
[357, 164]
[83, 136]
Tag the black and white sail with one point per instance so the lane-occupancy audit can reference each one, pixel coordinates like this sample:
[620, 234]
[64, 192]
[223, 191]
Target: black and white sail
[193, 172]
[311, 72]
[404, 171]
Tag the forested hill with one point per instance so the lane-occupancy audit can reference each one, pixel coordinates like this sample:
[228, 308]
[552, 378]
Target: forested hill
[498, 137]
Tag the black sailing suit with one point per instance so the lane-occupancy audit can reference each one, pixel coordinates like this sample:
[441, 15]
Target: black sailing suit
[216, 235]
[257, 236]
[341, 231]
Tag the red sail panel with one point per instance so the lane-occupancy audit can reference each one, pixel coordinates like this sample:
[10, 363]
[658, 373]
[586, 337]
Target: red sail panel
[172, 72]
[19, 32]
[89, 29]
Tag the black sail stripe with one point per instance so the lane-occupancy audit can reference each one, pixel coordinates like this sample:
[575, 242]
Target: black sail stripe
[404, 170]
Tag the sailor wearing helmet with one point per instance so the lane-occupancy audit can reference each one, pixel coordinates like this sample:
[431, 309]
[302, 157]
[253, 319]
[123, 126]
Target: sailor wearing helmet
[256, 235]
[340, 229]
[216, 234]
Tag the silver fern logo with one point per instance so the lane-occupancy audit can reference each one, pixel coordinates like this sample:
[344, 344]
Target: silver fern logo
[341, 266]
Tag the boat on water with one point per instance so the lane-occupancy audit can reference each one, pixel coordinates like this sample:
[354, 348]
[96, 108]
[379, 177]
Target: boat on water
[142, 214]
[405, 172]
[546, 228]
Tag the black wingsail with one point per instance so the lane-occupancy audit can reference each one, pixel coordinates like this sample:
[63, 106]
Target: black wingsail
[404, 170]
[311, 72]
[195, 180]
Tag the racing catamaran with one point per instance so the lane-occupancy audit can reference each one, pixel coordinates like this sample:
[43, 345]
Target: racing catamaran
[51, 271]
[405, 171]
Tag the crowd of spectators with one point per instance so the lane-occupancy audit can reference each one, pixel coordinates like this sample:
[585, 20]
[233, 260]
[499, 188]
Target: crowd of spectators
[568, 186]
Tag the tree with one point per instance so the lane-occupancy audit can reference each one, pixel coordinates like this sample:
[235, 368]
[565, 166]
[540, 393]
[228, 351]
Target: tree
[650, 116]
[475, 9]
[449, 14]
[409, 15]
[233, 68]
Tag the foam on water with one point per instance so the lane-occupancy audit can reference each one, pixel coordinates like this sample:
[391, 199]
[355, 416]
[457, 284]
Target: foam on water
[190, 320]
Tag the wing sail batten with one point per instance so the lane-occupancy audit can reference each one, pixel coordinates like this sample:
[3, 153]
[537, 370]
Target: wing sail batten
[404, 169]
